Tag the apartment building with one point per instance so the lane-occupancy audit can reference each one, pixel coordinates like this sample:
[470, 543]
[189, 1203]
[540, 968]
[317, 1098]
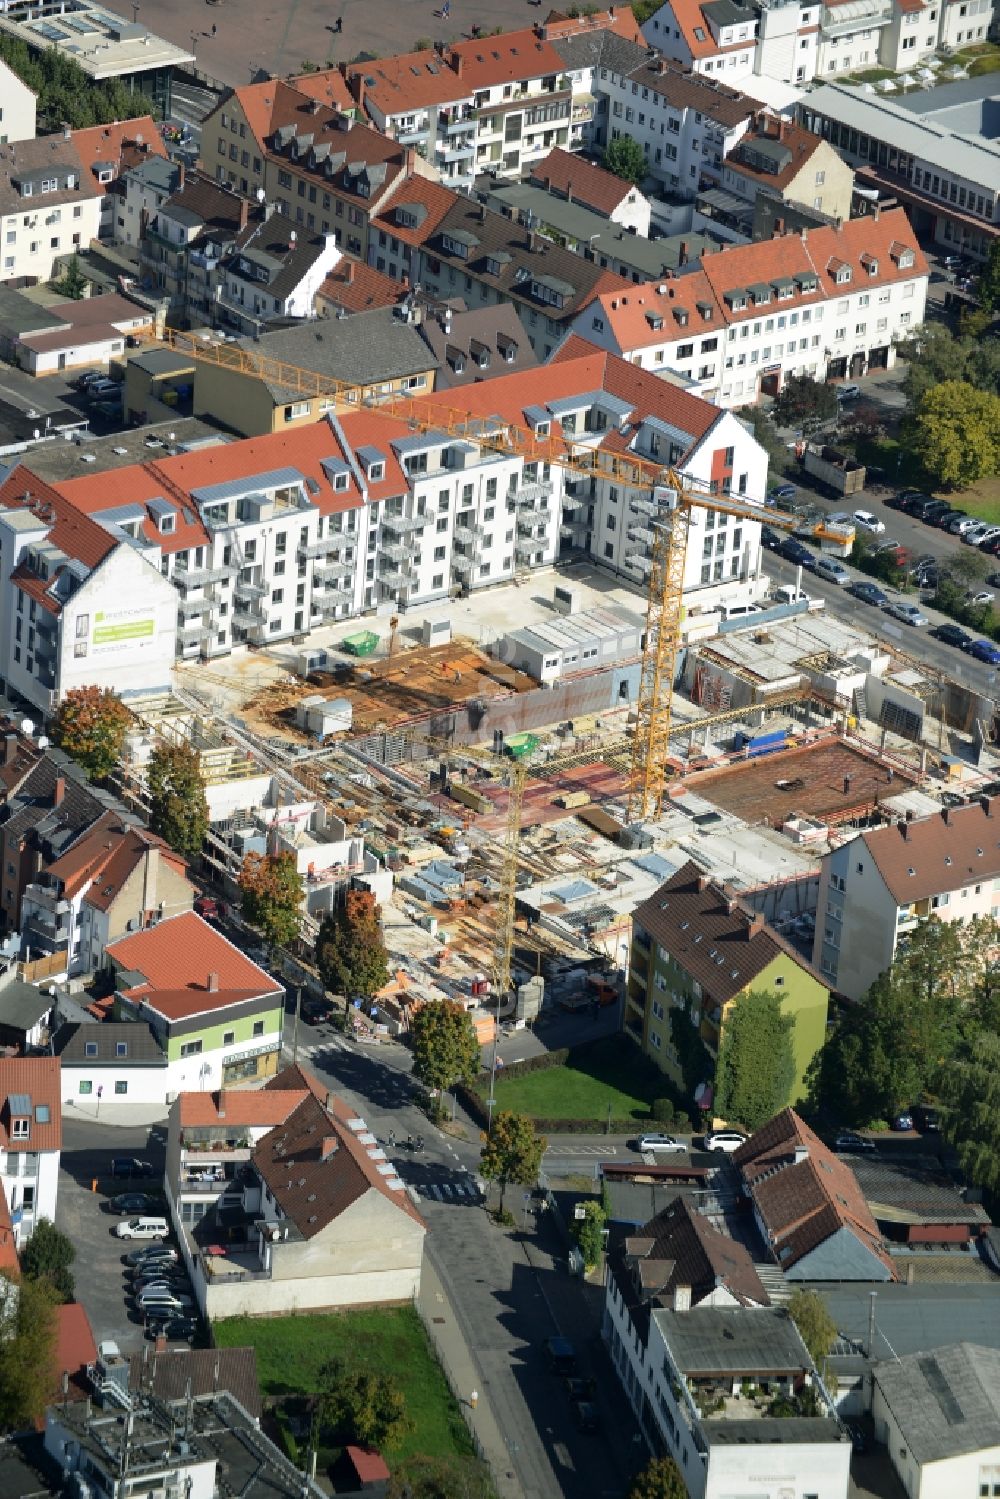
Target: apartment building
[411, 214]
[30, 1141]
[473, 346]
[17, 112]
[880, 886]
[144, 189]
[564, 175]
[586, 44]
[947, 179]
[324, 171]
[717, 37]
[696, 951]
[107, 153]
[83, 604]
[829, 302]
[779, 159]
[49, 207]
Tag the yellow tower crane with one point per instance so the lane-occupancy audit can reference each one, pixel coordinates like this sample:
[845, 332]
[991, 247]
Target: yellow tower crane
[661, 497]
[506, 901]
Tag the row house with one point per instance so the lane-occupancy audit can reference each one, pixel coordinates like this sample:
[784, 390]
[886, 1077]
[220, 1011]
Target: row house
[325, 171]
[49, 207]
[714, 37]
[265, 539]
[831, 303]
[30, 1144]
[107, 154]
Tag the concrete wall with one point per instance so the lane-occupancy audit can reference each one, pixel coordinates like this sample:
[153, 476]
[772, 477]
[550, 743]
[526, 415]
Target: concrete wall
[17, 108]
[941, 1480]
[81, 1082]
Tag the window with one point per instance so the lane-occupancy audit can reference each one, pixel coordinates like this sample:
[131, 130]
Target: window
[86, 1088]
[90, 1049]
[121, 1048]
[228, 1037]
[21, 1129]
[258, 1027]
[121, 1087]
[190, 1048]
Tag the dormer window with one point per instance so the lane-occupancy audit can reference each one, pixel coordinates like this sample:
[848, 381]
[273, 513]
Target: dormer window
[376, 472]
[340, 482]
[105, 175]
[90, 1048]
[542, 429]
[168, 524]
[492, 266]
[49, 184]
[870, 263]
[20, 1129]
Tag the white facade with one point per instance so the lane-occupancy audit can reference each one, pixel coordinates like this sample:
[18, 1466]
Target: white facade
[725, 52]
[17, 108]
[683, 144]
[247, 301]
[30, 1183]
[35, 233]
[964, 21]
[121, 1087]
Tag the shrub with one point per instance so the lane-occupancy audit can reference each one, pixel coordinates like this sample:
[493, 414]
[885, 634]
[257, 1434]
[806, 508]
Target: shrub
[662, 1110]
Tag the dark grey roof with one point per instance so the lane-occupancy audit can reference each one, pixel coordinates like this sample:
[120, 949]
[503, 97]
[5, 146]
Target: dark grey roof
[70, 1044]
[725, 13]
[281, 248]
[167, 1374]
[917, 1318]
[496, 327]
[710, 1340]
[605, 49]
[914, 1191]
[945, 1403]
[22, 1005]
[365, 349]
[19, 315]
[781, 1429]
[31, 812]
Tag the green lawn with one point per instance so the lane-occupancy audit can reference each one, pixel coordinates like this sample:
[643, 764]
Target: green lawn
[388, 1340]
[612, 1072]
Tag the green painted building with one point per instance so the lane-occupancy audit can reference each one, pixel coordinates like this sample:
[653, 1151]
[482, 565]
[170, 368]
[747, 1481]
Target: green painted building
[695, 950]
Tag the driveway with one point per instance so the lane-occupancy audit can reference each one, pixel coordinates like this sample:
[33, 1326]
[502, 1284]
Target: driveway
[86, 1157]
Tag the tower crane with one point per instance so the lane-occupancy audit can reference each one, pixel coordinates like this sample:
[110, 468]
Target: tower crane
[661, 497]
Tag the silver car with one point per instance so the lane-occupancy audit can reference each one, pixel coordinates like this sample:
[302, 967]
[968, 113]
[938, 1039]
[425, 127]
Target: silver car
[908, 613]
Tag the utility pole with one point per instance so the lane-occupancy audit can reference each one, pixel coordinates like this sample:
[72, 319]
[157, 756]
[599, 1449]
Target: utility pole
[295, 1026]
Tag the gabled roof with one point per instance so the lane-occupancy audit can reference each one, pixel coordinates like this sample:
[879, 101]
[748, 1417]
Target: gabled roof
[327, 86]
[409, 81]
[123, 144]
[567, 174]
[105, 856]
[693, 25]
[413, 212]
[934, 855]
[494, 332]
[786, 145]
[22, 1005]
[946, 1403]
[803, 1192]
[31, 1083]
[174, 1374]
[232, 1108]
[75, 534]
[169, 968]
[679, 1247]
[512, 57]
[72, 1040]
[358, 288]
[684, 89]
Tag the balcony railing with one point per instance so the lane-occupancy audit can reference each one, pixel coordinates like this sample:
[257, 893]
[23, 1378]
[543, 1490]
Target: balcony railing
[198, 577]
[454, 125]
[833, 23]
[247, 591]
[193, 633]
[403, 525]
[332, 572]
[324, 545]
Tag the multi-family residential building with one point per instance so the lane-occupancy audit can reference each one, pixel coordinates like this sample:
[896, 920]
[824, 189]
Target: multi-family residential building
[779, 159]
[714, 37]
[17, 112]
[114, 879]
[808, 1206]
[828, 302]
[322, 169]
[696, 951]
[470, 347]
[947, 179]
[353, 287]
[217, 1016]
[83, 604]
[408, 216]
[49, 206]
[572, 177]
[876, 888]
[107, 153]
[587, 44]
[108, 1065]
[379, 354]
[142, 190]
[30, 1141]
[339, 1231]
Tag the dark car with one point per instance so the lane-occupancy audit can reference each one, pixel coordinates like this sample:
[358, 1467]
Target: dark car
[985, 650]
[151, 1252]
[561, 1355]
[131, 1202]
[953, 635]
[849, 1140]
[174, 1329]
[580, 1389]
[130, 1165]
[316, 1011]
[869, 593]
[926, 1119]
[930, 514]
[794, 551]
[947, 517]
[858, 1440]
[783, 492]
[771, 538]
[917, 504]
[585, 1415]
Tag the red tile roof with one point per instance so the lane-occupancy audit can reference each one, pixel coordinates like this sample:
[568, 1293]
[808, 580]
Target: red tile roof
[296, 1078]
[796, 139]
[236, 1107]
[71, 532]
[75, 1348]
[508, 58]
[565, 173]
[690, 19]
[953, 848]
[416, 193]
[621, 19]
[803, 1192]
[40, 1079]
[357, 287]
[409, 81]
[178, 958]
[367, 1464]
[124, 143]
[106, 856]
[328, 86]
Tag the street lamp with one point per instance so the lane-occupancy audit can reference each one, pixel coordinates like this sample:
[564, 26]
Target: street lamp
[135, 12]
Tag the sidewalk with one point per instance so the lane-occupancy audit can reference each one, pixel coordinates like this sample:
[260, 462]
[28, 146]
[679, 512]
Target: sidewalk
[463, 1377]
[121, 1115]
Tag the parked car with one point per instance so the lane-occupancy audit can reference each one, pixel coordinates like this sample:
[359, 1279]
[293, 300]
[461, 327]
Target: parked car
[131, 1203]
[176, 1328]
[848, 392]
[953, 635]
[960, 523]
[858, 1439]
[783, 492]
[770, 538]
[985, 650]
[944, 520]
[867, 521]
[585, 1415]
[902, 1123]
[156, 1300]
[316, 1011]
[931, 513]
[909, 614]
[980, 596]
[893, 546]
[869, 593]
[915, 502]
[726, 1140]
[130, 1165]
[211, 908]
[142, 1228]
[663, 1144]
[794, 551]
[561, 1355]
[950, 261]
[975, 534]
[579, 1388]
[849, 1140]
[926, 1119]
[832, 570]
[151, 1252]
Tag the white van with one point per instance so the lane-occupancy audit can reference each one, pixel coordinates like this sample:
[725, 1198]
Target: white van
[142, 1228]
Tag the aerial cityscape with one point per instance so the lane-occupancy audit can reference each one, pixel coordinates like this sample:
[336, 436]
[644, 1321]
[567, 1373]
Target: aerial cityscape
[500, 750]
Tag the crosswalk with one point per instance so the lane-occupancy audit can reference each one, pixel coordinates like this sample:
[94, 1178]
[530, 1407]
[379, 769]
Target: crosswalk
[461, 1189]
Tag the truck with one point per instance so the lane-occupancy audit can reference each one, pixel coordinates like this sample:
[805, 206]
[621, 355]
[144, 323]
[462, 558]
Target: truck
[839, 472]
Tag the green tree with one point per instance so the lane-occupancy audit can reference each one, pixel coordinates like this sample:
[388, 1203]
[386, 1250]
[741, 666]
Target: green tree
[27, 1350]
[693, 1057]
[989, 280]
[444, 1045]
[933, 355]
[453, 1477]
[625, 157]
[755, 1072]
[817, 1328]
[661, 1479]
[588, 1232]
[969, 1103]
[178, 805]
[90, 724]
[350, 953]
[956, 433]
[272, 894]
[49, 1255]
[72, 283]
[767, 435]
[512, 1152]
[359, 1405]
[804, 403]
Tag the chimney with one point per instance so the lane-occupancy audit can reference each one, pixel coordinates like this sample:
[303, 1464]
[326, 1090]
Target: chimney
[67, 132]
[847, 785]
[702, 882]
[457, 62]
[9, 748]
[221, 1108]
[984, 802]
[754, 927]
[682, 255]
[569, 191]
[910, 815]
[213, 983]
[150, 874]
[59, 791]
[327, 1147]
[348, 272]
[244, 212]
[901, 825]
[357, 87]
[682, 1298]
[331, 1099]
[409, 160]
[801, 1152]
[181, 174]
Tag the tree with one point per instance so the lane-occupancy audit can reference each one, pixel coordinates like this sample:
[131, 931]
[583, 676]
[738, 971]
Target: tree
[626, 158]
[27, 1350]
[989, 280]
[933, 355]
[48, 1255]
[90, 724]
[444, 1044]
[512, 1152]
[361, 1406]
[350, 953]
[72, 283]
[661, 1479]
[178, 805]
[272, 895]
[423, 1477]
[969, 1104]
[589, 1233]
[817, 1328]
[755, 1073]
[956, 433]
[767, 435]
[805, 403]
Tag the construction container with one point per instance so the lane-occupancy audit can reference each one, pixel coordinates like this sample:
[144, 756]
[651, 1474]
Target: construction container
[470, 797]
[435, 632]
[841, 472]
[361, 644]
[520, 745]
[570, 799]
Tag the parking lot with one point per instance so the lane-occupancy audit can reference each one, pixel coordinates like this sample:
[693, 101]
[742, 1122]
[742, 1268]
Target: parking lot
[83, 1214]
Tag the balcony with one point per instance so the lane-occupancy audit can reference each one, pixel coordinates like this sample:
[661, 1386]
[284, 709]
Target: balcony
[403, 525]
[862, 18]
[188, 607]
[531, 529]
[394, 577]
[533, 496]
[466, 536]
[456, 151]
[394, 552]
[456, 124]
[324, 604]
[641, 535]
[247, 591]
[333, 572]
[414, 132]
[462, 563]
[248, 616]
[526, 549]
[643, 507]
[325, 545]
[199, 577]
[192, 634]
